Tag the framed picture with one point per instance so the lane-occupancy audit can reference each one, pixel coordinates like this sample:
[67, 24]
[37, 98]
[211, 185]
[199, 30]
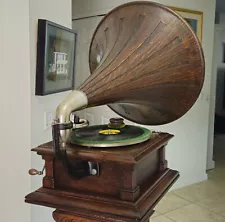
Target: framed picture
[55, 67]
[193, 18]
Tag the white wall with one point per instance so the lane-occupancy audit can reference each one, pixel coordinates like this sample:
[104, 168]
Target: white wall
[57, 11]
[187, 152]
[15, 110]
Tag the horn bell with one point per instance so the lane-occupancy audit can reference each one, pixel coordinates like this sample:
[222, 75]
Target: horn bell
[146, 64]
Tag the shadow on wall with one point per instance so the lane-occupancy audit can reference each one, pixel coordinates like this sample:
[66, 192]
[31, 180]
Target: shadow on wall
[219, 126]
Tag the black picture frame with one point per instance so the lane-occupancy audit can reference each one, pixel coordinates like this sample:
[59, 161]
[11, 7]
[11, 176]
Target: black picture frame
[56, 53]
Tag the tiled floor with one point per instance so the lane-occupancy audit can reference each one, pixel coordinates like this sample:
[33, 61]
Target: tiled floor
[202, 202]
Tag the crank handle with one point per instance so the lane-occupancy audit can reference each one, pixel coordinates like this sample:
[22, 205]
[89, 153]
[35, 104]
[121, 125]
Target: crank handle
[34, 172]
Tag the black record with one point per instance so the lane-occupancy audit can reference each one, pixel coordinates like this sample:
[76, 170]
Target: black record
[102, 135]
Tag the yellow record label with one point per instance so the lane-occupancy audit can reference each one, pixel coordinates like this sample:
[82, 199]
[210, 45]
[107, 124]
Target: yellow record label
[109, 132]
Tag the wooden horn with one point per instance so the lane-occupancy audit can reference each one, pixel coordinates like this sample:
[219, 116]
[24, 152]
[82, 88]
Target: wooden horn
[147, 65]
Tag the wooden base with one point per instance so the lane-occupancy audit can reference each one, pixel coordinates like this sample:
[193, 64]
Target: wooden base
[62, 216]
[78, 207]
[131, 182]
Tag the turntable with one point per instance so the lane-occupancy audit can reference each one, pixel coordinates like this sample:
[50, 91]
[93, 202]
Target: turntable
[114, 134]
[147, 65]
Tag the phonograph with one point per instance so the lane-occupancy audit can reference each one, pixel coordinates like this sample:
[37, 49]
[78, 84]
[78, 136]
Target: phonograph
[147, 65]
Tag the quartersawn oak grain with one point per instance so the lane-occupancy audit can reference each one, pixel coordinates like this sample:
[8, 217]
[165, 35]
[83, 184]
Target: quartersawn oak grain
[151, 68]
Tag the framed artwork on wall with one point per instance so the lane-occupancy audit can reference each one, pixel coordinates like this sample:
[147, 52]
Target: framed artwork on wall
[193, 18]
[55, 67]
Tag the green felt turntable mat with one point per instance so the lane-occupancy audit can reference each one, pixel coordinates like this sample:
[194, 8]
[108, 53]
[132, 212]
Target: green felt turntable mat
[103, 136]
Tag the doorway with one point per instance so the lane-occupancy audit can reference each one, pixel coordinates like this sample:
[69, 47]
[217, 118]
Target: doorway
[219, 91]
